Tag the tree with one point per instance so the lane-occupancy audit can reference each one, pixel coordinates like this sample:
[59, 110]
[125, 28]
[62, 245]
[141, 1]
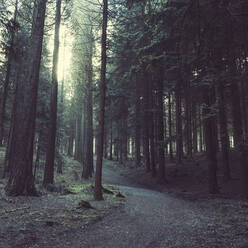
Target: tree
[13, 26]
[50, 155]
[21, 180]
[102, 86]
[88, 162]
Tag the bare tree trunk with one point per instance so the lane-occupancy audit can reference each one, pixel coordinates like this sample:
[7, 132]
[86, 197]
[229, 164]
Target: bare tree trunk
[146, 125]
[71, 139]
[170, 127]
[8, 149]
[244, 106]
[188, 122]
[7, 78]
[236, 106]
[38, 149]
[161, 155]
[179, 126]
[194, 127]
[223, 132]
[210, 132]
[88, 163]
[105, 145]
[78, 137]
[137, 124]
[50, 154]
[111, 140]
[152, 150]
[98, 178]
[200, 129]
[21, 181]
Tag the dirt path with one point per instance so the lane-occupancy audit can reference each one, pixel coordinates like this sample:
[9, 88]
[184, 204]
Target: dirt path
[153, 219]
[149, 218]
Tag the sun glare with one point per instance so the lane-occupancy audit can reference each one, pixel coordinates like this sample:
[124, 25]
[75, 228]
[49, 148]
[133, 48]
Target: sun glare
[65, 55]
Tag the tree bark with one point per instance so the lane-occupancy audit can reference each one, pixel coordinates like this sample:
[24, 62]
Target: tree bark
[50, 154]
[7, 78]
[71, 139]
[146, 125]
[200, 129]
[188, 122]
[21, 181]
[209, 131]
[236, 105]
[111, 140]
[152, 144]
[88, 163]
[161, 155]
[179, 138]
[137, 124]
[223, 132]
[194, 127]
[98, 178]
[170, 127]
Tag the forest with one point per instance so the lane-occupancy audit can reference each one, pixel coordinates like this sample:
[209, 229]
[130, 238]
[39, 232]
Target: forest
[123, 123]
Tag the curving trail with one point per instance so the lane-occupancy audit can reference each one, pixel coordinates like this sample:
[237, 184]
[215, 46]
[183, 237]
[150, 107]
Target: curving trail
[151, 219]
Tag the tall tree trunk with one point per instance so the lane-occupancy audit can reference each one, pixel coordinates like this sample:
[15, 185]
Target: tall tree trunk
[84, 131]
[161, 159]
[170, 127]
[125, 138]
[152, 150]
[21, 181]
[200, 129]
[105, 145]
[146, 125]
[223, 131]
[244, 92]
[88, 163]
[236, 115]
[137, 124]
[8, 148]
[38, 150]
[209, 131]
[7, 78]
[98, 178]
[194, 127]
[78, 137]
[111, 140]
[71, 139]
[50, 154]
[236, 105]
[188, 122]
[179, 137]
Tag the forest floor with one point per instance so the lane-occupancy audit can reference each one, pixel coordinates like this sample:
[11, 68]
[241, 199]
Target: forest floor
[187, 180]
[59, 211]
[179, 214]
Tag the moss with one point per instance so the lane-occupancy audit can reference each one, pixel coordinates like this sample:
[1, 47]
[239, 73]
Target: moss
[79, 188]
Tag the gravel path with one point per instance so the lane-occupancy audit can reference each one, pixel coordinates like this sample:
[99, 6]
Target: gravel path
[153, 219]
[148, 219]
